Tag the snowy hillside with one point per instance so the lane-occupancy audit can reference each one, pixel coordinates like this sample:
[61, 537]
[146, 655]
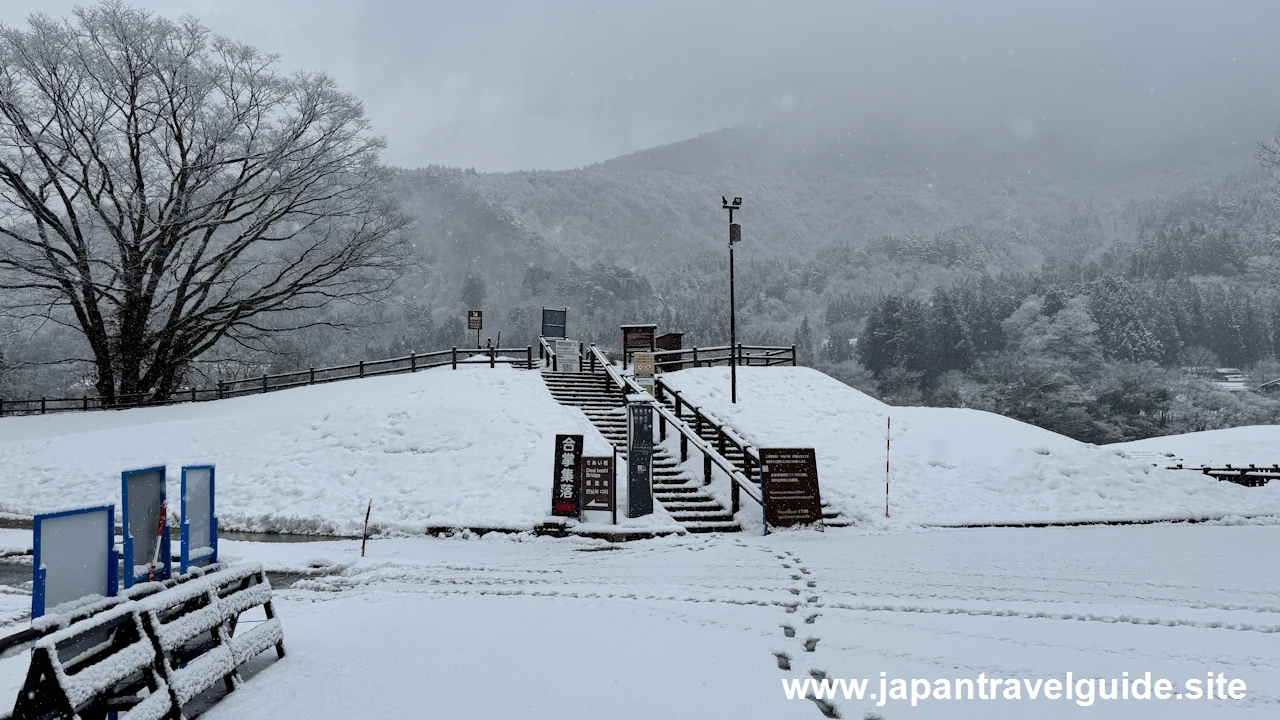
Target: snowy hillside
[440, 448]
[1240, 446]
[953, 466]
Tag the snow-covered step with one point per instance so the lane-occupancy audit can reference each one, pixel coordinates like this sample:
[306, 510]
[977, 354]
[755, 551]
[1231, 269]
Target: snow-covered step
[687, 502]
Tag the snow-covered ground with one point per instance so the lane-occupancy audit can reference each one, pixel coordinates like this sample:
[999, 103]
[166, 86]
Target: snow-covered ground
[694, 626]
[1241, 446]
[954, 466]
[471, 447]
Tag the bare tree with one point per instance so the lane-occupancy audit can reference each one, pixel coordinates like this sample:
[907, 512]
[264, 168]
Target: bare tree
[164, 190]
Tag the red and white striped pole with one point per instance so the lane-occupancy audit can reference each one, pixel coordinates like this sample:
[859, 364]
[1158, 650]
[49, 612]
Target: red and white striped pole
[888, 423]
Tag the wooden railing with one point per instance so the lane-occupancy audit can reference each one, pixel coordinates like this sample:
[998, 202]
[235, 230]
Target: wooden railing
[738, 483]
[746, 355]
[725, 436]
[413, 362]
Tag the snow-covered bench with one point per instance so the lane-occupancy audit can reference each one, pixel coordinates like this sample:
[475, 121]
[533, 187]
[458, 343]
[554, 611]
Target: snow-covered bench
[151, 656]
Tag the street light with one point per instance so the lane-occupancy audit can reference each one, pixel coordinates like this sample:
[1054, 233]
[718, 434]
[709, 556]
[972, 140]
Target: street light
[735, 236]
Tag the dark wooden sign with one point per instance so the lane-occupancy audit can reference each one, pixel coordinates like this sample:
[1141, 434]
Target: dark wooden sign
[790, 479]
[555, 322]
[475, 319]
[638, 337]
[597, 484]
[566, 486]
[639, 460]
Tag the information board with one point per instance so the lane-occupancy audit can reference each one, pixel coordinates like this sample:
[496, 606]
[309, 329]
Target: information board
[555, 322]
[146, 526]
[74, 557]
[199, 542]
[642, 365]
[639, 459]
[597, 484]
[475, 319]
[566, 485]
[568, 354]
[790, 485]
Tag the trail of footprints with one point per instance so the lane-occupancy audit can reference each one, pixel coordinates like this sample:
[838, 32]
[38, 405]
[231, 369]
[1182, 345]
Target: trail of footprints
[809, 643]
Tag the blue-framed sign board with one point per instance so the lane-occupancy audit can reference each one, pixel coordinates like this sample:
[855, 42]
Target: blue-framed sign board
[73, 557]
[199, 542]
[146, 527]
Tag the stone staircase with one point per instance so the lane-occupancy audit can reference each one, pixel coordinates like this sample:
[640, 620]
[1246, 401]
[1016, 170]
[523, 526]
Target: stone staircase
[830, 515]
[679, 492]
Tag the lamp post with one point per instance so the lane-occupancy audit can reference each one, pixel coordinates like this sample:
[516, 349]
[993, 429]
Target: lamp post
[735, 236]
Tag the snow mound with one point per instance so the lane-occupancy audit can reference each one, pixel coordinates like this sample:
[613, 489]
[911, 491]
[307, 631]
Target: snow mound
[1257, 444]
[954, 466]
[471, 447]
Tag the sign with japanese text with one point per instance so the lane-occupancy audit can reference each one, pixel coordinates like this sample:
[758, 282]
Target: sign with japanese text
[790, 485]
[566, 486]
[567, 356]
[638, 337]
[475, 319]
[597, 484]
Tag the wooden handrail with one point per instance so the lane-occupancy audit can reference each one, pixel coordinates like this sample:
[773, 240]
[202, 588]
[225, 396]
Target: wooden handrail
[279, 381]
[739, 482]
[746, 448]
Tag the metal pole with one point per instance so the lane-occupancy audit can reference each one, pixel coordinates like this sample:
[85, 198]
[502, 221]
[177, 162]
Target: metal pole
[733, 327]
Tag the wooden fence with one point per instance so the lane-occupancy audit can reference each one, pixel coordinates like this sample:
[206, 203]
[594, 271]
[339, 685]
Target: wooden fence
[413, 362]
[746, 355]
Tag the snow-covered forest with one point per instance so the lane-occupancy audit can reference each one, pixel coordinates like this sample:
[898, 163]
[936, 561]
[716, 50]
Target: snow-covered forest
[1097, 305]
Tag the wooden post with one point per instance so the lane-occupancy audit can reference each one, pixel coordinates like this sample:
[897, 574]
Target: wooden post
[734, 492]
[684, 447]
[85, 400]
[365, 536]
[706, 469]
[455, 357]
[493, 355]
[311, 377]
[1, 408]
[528, 356]
[413, 361]
[41, 406]
[662, 428]
[697, 420]
[221, 391]
[720, 438]
[695, 356]
[793, 356]
[264, 382]
[193, 393]
[361, 368]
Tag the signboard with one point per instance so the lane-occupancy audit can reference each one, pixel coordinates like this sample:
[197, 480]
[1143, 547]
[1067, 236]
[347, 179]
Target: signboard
[639, 459]
[199, 543]
[73, 557]
[567, 356]
[566, 484]
[597, 485]
[475, 319]
[146, 526]
[642, 363]
[555, 322]
[636, 337]
[790, 485]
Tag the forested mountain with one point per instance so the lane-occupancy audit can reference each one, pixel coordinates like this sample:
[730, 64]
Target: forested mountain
[1054, 282]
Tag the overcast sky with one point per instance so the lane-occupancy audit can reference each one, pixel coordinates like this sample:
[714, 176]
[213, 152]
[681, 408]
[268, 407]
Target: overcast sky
[514, 84]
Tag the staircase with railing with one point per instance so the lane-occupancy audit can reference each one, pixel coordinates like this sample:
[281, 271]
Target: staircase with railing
[601, 392]
[729, 443]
